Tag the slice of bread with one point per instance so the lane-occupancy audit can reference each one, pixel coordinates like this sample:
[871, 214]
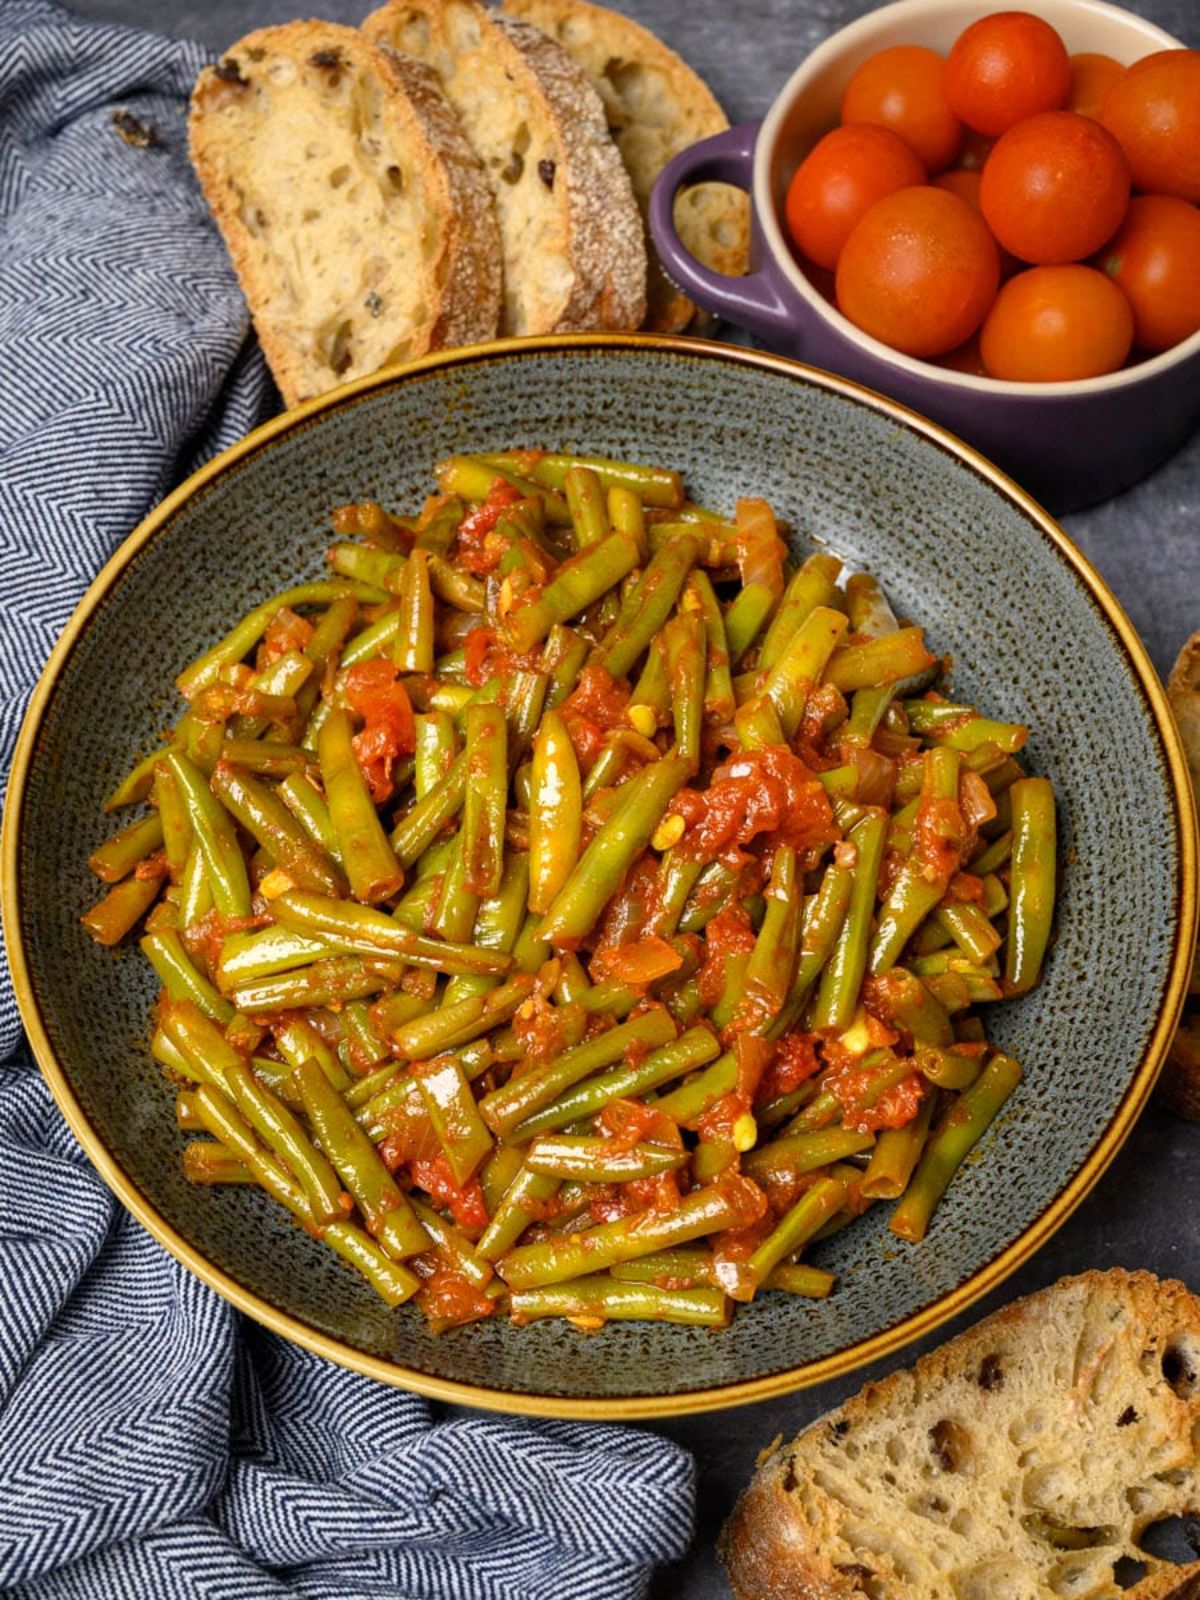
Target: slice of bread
[656, 106]
[1023, 1460]
[358, 218]
[574, 257]
[1180, 1086]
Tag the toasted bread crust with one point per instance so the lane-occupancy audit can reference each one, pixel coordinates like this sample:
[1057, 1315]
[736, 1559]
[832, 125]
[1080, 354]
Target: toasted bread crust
[788, 1537]
[656, 107]
[246, 103]
[594, 263]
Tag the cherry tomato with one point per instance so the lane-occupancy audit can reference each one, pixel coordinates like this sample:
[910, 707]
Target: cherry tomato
[1052, 324]
[1092, 76]
[1155, 262]
[901, 89]
[919, 271]
[840, 179]
[1154, 112]
[1005, 67]
[1055, 188]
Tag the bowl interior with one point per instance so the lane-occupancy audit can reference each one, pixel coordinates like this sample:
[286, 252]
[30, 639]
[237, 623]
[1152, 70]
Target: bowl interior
[809, 106]
[1029, 642]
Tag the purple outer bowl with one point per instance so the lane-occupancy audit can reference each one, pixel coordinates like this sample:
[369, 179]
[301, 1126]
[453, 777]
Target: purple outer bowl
[1070, 449]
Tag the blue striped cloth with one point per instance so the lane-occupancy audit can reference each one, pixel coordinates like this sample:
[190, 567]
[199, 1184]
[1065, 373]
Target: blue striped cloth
[152, 1443]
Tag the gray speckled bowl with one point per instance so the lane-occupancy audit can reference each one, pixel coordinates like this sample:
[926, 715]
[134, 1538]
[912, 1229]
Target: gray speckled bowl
[1035, 637]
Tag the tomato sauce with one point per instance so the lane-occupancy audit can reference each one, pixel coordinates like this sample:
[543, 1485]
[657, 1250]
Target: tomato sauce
[595, 706]
[449, 1296]
[939, 835]
[728, 933]
[287, 630]
[795, 1061]
[476, 550]
[761, 791]
[388, 731]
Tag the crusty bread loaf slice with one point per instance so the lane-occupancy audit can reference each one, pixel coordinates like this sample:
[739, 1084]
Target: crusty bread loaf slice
[574, 258]
[1020, 1461]
[656, 106]
[359, 220]
[1181, 1075]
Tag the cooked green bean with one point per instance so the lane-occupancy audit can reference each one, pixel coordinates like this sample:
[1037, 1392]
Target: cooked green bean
[620, 841]
[959, 1131]
[369, 860]
[506, 1108]
[600, 1299]
[118, 856]
[841, 977]
[1031, 908]
[732, 1202]
[180, 977]
[390, 1218]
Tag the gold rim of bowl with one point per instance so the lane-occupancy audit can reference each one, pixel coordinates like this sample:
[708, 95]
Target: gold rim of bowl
[637, 1407]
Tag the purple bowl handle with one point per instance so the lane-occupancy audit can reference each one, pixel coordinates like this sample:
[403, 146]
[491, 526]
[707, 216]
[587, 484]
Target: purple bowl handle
[760, 300]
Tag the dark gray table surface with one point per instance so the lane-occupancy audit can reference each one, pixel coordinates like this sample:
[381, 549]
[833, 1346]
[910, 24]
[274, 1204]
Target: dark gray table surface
[1146, 544]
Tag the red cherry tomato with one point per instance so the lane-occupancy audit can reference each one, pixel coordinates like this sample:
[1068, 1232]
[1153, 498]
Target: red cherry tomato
[901, 89]
[1055, 187]
[1004, 67]
[1092, 76]
[1053, 324]
[1155, 262]
[839, 180]
[919, 271]
[1153, 111]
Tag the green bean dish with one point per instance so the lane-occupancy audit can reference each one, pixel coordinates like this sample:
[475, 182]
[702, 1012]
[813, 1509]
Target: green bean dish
[570, 906]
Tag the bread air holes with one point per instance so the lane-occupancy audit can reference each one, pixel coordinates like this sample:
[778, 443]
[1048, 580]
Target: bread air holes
[865, 1579]
[1061, 1536]
[1077, 1576]
[1127, 1572]
[950, 1446]
[1181, 1366]
[1173, 1539]
[339, 176]
[631, 85]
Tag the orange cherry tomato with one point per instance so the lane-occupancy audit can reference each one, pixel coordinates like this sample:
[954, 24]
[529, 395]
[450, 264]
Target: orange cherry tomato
[1155, 262]
[901, 89]
[1092, 76]
[919, 271]
[1153, 110]
[1053, 324]
[839, 180]
[1004, 67]
[1055, 187]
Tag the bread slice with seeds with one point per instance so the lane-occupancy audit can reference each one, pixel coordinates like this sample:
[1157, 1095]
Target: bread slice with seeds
[656, 106]
[1023, 1460]
[574, 257]
[358, 217]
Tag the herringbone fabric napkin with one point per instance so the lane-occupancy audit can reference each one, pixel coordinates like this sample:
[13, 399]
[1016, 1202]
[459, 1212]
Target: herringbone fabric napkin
[152, 1444]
